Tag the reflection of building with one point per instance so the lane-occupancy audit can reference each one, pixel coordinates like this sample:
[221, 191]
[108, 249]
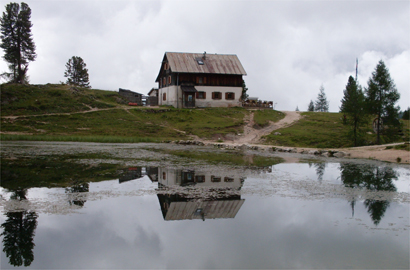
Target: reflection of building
[205, 195]
[133, 173]
[200, 178]
[175, 207]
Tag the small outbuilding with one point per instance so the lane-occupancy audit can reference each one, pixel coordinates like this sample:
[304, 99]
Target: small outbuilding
[132, 97]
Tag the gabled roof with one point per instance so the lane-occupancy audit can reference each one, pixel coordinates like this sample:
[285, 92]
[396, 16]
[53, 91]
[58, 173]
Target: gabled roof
[211, 63]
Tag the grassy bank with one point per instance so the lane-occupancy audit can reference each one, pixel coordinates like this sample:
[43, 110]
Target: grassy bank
[64, 113]
[323, 130]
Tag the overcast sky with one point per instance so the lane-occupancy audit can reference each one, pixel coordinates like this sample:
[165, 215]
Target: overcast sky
[288, 48]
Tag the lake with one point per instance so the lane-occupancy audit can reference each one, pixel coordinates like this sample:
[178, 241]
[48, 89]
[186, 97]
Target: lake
[153, 206]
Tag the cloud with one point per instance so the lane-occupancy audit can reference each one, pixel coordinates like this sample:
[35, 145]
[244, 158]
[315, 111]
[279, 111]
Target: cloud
[288, 48]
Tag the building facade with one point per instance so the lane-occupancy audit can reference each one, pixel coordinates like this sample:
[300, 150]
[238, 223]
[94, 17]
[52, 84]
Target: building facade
[190, 80]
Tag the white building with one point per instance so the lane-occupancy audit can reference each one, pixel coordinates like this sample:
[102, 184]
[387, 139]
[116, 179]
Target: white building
[189, 80]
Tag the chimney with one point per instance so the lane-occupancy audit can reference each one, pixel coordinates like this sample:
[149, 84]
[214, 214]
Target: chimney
[204, 57]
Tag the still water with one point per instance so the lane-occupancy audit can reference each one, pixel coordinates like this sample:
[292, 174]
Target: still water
[322, 214]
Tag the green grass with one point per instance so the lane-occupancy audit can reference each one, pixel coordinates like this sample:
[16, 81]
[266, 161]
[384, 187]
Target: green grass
[404, 146]
[43, 116]
[263, 117]
[132, 125]
[53, 98]
[315, 129]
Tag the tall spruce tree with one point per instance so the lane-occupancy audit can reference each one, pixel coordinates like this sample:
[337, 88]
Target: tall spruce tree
[353, 109]
[244, 94]
[17, 41]
[321, 104]
[381, 97]
[76, 72]
[311, 106]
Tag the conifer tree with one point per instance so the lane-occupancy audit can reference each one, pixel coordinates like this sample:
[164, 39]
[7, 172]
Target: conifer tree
[321, 104]
[76, 72]
[311, 106]
[353, 108]
[244, 94]
[17, 41]
[381, 97]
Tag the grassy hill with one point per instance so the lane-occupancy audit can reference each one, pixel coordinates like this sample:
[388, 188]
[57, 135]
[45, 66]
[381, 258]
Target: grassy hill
[61, 112]
[65, 113]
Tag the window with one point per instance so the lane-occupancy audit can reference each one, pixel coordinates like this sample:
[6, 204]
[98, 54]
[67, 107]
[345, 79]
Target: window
[164, 96]
[200, 80]
[216, 95]
[166, 66]
[169, 80]
[229, 96]
[201, 95]
[215, 179]
[164, 176]
[199, 178]
[228, 179]
[164, 82]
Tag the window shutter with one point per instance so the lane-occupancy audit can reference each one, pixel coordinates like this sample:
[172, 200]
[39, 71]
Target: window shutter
[213, 95]
[226, 95]
[204, 95]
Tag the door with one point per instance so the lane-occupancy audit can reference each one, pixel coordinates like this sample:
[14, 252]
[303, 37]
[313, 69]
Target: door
[189, 100]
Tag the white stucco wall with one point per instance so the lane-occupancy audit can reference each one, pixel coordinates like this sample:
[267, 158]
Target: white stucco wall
[172, 177]
[171, 94]
[209, 102]
[174, 93]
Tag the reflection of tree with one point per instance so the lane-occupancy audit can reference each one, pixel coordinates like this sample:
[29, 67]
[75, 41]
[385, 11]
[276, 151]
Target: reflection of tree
[320, 170]
[372, 178]
[78, 188]
[18, 232]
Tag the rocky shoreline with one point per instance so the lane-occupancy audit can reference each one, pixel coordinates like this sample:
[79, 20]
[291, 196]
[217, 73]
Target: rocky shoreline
[375, 152]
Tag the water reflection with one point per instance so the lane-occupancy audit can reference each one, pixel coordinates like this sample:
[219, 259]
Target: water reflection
[186, 194]
[197, 194]
[373, 178]
[18, 233]
[75, 190]
[206, 195]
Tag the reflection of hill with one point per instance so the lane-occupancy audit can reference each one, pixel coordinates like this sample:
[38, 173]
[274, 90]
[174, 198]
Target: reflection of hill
[189, 194]
[50, 172]
[373, 178]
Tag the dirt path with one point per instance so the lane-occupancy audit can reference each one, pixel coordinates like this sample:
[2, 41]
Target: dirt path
[252, 135]
[91, 109]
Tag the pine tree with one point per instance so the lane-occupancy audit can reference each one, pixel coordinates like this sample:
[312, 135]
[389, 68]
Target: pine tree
[311, 106]
[321, 104]
[353, 108]
[244, 95]
[406, 114]
[381, 97]
[76, 72]
[17, 41]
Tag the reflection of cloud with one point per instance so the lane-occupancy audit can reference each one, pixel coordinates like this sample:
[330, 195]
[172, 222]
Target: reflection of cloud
[150, 242]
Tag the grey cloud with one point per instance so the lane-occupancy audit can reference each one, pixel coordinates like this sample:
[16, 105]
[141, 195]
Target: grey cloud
[288, 48]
